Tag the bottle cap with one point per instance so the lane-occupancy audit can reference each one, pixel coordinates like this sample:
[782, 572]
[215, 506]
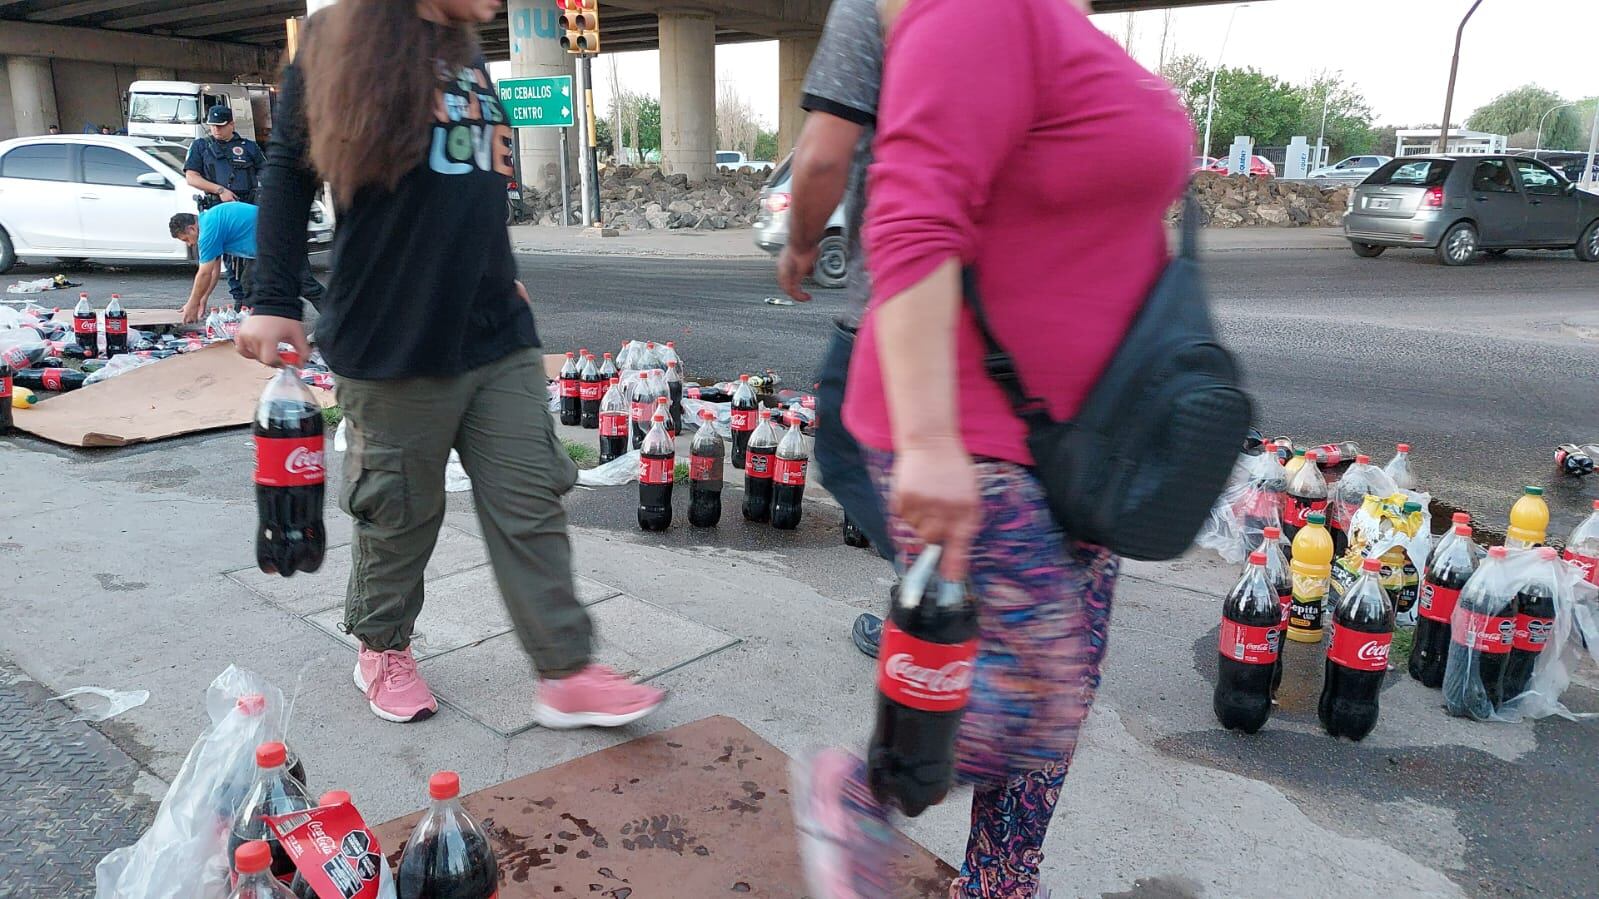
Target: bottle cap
[1299, 452]
[707, 414]
[253, 857]
[334, 797]
[607, 355]
[1534, 491]
[1316, 518]
[743, 377]
[671, 344]
[649, 344]
[1596, 505]
[1412, 506]
[292, 357]
[1462, 530]
[1547, 553]
[1272, 533]
[1403, 447]
[1371, 565]
[658, 417]
[766, 414]
[444, 785]
[1461, 517]
[1257, 558]
[271, 755]
[643, 374]
[569, 355]
[661, 401]
[1312, 455]
[1363, 459]
[1498, 552]
[584, 351]
[252, 703]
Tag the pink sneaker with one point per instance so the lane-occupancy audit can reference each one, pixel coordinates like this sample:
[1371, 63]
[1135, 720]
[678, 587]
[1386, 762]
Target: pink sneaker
[593, 697]
[394, 689]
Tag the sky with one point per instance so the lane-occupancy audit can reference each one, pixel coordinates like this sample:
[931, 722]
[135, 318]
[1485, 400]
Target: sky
[1395, 51]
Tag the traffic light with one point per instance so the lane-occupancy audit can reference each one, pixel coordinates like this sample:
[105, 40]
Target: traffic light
[580, 26]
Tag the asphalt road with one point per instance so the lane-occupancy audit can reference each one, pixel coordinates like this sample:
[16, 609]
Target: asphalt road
[1483, 369]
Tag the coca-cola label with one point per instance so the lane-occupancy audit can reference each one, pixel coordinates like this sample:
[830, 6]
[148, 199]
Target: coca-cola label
[50, 378]
[116, 326]
[928, 677]
[758, 465]
[5, 387]
[1588, 564]
[83, 324]
[1532, 634]
[743, 419]
[705, 468]
[789, 472]
[333, 849]
[1437, 603]
[569, 387]
[655, 470]
[1358, 650]
[613, 424]
[1249, 644]
[589, 391]
[1491, 634]
[1296, 511]
[289, 461]
[641, 411]
[1286, 600]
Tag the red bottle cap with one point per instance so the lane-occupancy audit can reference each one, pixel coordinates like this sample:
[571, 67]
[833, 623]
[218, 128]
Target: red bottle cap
[1371, 565]
[334, 797]
[1596, 505]
[1498, 552]
[1465, 517]
[643, 374]
[1403, 447]
[607, 355]
[661, 401]
[1547, 553]
[444, 785]
[252, 703]
[1257, 558]
[1272, 533]
[289, 357]
[743, 377]
[1462, 530]
[1312, 455]
[671, 344]
[766, 414]
[583, 350]
[658, 417]
[271, 755]
[1363, 460]
[568, 355]
[707, 414]
[253, 857]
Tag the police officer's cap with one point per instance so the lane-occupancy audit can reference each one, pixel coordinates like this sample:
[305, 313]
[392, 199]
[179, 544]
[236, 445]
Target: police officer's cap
[218, 115]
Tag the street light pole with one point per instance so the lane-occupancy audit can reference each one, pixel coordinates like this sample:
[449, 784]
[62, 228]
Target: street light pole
[1537, 143]
[1210, 106]
[1454, 67]
[1322, 134]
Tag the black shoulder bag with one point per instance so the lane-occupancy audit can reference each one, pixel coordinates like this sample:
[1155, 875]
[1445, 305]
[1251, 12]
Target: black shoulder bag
[1138, 468]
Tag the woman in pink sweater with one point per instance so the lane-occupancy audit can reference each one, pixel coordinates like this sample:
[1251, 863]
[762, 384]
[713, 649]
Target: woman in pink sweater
[1047, 164]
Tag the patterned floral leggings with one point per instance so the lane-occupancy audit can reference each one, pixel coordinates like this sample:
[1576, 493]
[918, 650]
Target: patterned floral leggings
[1043, 611]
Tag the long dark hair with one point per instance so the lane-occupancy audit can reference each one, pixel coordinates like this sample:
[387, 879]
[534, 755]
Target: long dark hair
[371, 69]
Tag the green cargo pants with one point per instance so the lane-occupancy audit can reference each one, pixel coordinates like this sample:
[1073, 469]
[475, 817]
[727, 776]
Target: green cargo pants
[400, 435]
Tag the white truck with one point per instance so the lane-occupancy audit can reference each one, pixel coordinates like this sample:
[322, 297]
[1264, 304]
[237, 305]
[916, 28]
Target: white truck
[175, 110]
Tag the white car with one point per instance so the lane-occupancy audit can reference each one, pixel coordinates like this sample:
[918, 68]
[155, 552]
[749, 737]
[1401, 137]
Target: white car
[91, 196]
[1353, 170]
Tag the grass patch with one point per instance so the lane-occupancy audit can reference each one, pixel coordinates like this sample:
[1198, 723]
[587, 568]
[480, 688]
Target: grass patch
[581, 453]
[1399, 650]
[680, 473]
[332, 415]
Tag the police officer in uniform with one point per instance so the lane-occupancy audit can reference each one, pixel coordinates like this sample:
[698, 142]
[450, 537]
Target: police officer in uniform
[227, 168]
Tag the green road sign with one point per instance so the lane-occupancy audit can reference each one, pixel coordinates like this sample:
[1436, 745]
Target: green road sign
[537, 102]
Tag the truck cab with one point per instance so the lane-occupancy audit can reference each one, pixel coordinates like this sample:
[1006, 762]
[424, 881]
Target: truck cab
[175, 110]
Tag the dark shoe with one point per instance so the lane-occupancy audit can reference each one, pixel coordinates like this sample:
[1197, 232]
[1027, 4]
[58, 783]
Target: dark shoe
[867, 633]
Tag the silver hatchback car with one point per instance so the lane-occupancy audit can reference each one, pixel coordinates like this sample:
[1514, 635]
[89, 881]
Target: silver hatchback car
[1459, 206]
[771, 228]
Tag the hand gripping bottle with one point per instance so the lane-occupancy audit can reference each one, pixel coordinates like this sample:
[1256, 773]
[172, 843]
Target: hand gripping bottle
[788, 478]
[1481, 633]
[1307, 493]
[1357, 657]
[613, 423]
[1311, 568]
[289, 475]
[590, 390]
[1529, 520]
[1281, 580]
[1247, 649]
[1582, 547]
[274, 792]
[571, 392]
[1399, 468]
[1450, 567]
[85, 328]
[1535, 623]
[655, 470]
[744, 406]
[448, 855]
[705, 474]
[116, 327]
[253, 863]
[759, 462]
[924, 676]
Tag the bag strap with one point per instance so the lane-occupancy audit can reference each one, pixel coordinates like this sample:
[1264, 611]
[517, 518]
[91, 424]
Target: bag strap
[999, 365]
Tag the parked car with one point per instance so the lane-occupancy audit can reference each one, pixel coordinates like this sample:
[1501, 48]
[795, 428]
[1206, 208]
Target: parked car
[1259, 167]
[1458, 206]
[771, 228]
[91, 196]
[1206, 163]
[1352, 170]
[733, 160]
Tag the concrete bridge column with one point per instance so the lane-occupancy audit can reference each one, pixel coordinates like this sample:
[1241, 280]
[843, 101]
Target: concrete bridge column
[793, 61]
[536, 53]
[33, 94]
[688, 93]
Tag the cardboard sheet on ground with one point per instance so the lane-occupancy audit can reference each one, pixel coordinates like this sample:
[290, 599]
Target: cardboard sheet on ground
[212, 388]
[137, 318]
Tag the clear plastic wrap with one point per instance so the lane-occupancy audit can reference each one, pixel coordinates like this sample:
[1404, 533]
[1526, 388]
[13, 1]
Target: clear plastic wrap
[118, 365]
[621, 470]
[1382, 529]
[1251, 502]
[723, 413]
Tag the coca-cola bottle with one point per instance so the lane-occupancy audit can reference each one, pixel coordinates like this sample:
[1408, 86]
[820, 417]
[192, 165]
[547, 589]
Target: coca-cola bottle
[614, 417]
[668, 354]
[1345, 498]
[116, 327]
[788, 478]
[253, 862]
[1582, 547]
[1247, 649]
[924, 674]
[656, 458]
[1332, 455]
[289, 475]
[273, 792]
[608, 371]
[54, 379]
[590, 390]
[6, 423]
[1357, 656]
[759, 462]
[1571, 459]
[649, 358]
[641, 405]
[448, 855]
[1399, 468]
[571, 392]
[1535, 623]
[674, 393]
[663, 407]
[1281, 579]
[1481, 632]
[298, 886]
[744, 405]
[1307, 493]
[85, 328]
[1448, 569]
[705, 474]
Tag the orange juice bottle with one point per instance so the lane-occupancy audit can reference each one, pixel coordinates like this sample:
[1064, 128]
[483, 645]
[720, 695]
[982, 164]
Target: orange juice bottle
[1312, 569]
[1529, 520]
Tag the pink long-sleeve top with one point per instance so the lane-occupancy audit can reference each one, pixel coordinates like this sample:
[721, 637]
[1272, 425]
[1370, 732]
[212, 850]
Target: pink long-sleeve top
[1048, 160]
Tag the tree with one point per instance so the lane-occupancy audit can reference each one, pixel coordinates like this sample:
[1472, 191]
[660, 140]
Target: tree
[639, 125]
[1348, 116]
[736, 123]
[1189, 76]
[1247, 102]
[1516, 113]
[765, 147]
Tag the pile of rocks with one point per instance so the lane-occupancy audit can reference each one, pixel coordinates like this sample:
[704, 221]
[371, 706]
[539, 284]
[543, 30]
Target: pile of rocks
[644, 198]
[1241, 201]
